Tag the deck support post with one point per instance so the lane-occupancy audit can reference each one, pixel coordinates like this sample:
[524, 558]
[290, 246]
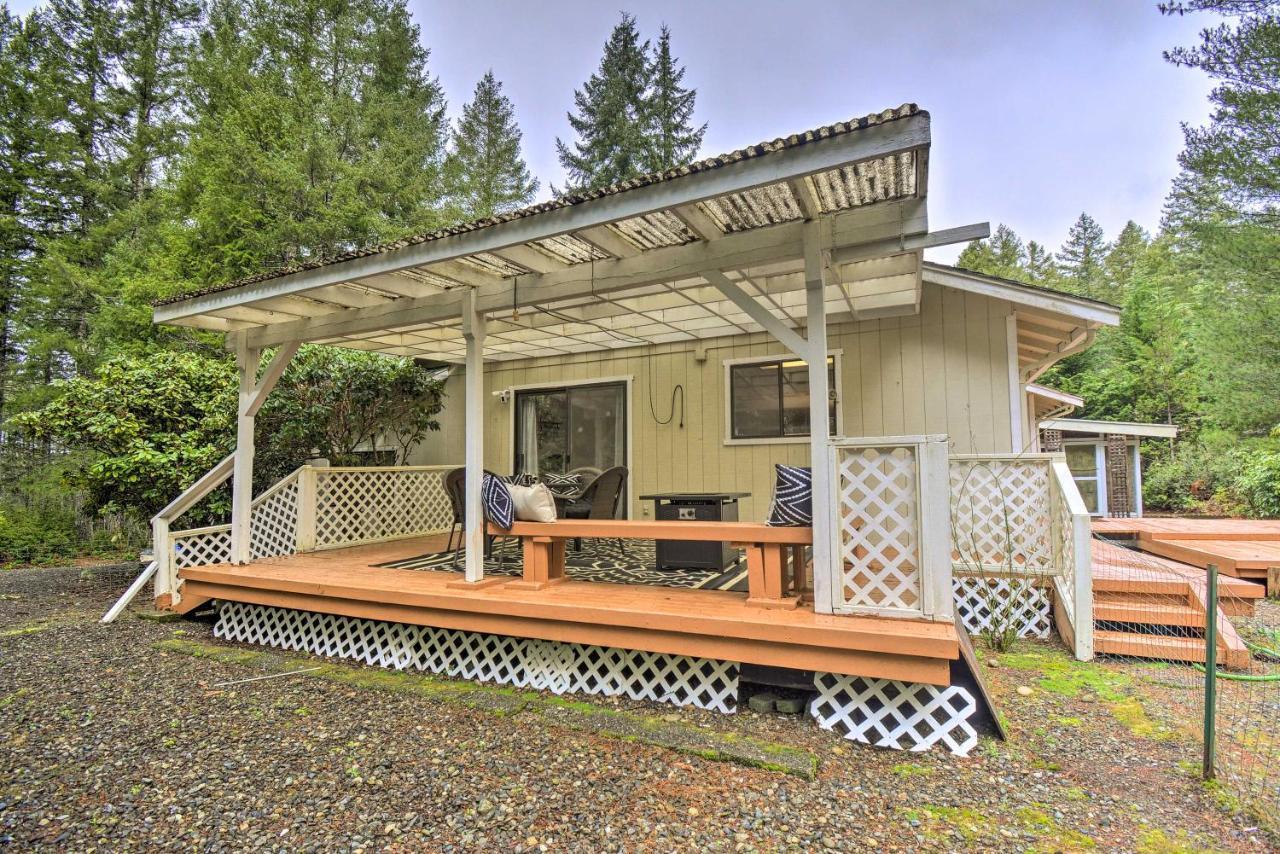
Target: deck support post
[253, 393]
[473, 332]
[824, 499]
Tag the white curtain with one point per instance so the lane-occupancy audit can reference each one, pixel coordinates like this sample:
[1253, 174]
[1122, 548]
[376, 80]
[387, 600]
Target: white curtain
[529, 435]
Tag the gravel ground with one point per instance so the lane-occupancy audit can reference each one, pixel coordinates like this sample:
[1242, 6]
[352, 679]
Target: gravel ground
[108, 743]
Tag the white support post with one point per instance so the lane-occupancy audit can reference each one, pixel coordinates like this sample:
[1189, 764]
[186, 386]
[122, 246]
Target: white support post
[308, 481]
[825, 570]
[242, 478]
[1017, 391]
[1082, 579]
[253, 393]
[162, 553]
[473, 331]
[934, 521]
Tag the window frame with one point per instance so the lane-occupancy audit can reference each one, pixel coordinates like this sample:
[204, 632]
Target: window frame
[729, 364]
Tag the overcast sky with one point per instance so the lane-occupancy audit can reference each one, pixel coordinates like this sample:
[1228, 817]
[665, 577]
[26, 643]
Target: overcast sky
[1041, 109]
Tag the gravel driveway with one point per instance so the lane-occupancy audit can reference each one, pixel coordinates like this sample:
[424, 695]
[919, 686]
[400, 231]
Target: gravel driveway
[111, 742]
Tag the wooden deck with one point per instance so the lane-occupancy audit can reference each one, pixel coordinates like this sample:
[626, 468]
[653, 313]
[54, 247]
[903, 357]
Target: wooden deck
[1244, 548]
[708, 623]
[1137, 588]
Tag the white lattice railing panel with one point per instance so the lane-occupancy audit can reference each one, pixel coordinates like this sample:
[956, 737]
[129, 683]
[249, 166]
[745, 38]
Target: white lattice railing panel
[362, 505]
[877, 528]
[1001, 515]
[201, 546]
[273, 525]
[984, 604]
[542, 665]
[898, 715]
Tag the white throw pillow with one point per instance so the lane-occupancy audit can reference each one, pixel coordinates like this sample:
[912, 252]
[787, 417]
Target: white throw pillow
[533, 503]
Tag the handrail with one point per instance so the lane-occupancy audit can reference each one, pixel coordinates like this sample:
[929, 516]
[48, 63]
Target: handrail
[1067, 486]
[385, 468]
[207, 483]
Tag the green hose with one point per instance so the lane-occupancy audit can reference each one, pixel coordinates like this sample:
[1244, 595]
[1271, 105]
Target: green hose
[1242, 677]
[1266, 651]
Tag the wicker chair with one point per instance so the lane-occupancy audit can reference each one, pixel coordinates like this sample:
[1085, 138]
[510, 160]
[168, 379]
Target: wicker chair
[602, 498]
[455, 487]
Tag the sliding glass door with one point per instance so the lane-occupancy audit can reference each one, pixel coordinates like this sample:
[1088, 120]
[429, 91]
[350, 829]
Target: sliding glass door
[581, 427]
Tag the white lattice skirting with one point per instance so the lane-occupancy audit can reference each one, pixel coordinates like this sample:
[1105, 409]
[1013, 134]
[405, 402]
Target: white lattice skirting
[980, 602]
[560, 668]
[898, 715]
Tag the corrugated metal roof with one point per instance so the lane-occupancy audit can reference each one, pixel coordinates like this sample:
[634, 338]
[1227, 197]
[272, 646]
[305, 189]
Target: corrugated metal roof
[886, 178]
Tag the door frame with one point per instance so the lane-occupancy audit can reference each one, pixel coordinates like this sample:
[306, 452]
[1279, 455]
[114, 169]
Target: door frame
[626, 381]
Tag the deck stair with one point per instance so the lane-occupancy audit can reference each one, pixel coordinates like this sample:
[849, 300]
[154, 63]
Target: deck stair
[1147, 606]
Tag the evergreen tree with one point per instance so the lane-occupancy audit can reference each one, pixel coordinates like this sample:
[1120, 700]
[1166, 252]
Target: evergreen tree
[1239, 148]
[612, 119]
[1123, 256]
[1081, 259]
[1041, 268]
[673, 140]
[1002, 255]
[317, 129]
[487, 174]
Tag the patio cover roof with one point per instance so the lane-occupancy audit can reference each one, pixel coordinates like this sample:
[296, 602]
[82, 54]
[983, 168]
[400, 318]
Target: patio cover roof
[1119, 428]
[652, 260]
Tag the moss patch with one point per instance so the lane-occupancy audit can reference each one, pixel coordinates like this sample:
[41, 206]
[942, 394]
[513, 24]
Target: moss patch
[571, 714]
[1062, 675]
[978, 829]
[27, 629]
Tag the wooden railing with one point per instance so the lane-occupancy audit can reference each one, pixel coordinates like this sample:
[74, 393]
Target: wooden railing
[313, 507]
[1020, 517]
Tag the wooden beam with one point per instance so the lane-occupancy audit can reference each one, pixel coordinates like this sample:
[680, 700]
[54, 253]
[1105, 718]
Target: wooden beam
[806, 198]
[910, 243]
[530, 258]
[748, 249]
[242, 478]
[787, 336]
[473, 331]
[271, 376]
[698, 222]
[607, 240]
[819, 155]
[826, 569]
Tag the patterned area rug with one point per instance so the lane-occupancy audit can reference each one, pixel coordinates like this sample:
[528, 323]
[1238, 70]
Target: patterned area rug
[599, 560]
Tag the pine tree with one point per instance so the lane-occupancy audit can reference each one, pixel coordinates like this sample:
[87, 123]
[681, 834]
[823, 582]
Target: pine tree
[1041, 268]
[1123, 255]
[317, 129]
[1239, 148]
[486, 172]
[673, 140]
[611, 122]
[1002, 255]
[1081, 259]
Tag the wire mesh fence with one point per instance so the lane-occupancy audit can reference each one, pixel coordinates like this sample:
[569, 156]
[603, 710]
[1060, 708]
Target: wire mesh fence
[1160, 621]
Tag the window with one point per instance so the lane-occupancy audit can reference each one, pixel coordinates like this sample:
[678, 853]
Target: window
[559, 430]
[1085, 462]
[770, 399]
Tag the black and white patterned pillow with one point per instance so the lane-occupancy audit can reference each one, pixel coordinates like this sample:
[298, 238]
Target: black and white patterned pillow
[496, 498]
[792, 497]
[563, 485]
[522, 479]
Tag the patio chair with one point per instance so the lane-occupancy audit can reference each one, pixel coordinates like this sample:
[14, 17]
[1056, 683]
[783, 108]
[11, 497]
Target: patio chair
[455, 487]
[602, 498]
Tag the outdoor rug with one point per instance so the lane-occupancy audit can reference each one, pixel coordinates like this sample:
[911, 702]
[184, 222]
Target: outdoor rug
[599, 560]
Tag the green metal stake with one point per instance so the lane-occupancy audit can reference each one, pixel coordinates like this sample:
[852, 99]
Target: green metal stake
[1210, 672]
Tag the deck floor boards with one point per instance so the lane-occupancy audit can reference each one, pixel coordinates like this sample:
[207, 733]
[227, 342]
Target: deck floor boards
[717, 624]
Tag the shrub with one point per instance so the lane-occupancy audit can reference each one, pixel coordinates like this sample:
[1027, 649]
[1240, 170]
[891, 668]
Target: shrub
[36, 536]
[1258, 485]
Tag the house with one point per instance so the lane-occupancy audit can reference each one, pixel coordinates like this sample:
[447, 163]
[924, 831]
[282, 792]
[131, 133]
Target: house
[1105, 457]
[697, 326]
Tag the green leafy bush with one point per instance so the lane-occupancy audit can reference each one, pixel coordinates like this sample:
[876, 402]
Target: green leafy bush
[1259, 485]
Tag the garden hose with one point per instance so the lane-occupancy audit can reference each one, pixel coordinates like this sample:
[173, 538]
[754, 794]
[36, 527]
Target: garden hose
[1242, 677]
[1267, 652]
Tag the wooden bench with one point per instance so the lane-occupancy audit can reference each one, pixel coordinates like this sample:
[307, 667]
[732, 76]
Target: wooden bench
[775, 556]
